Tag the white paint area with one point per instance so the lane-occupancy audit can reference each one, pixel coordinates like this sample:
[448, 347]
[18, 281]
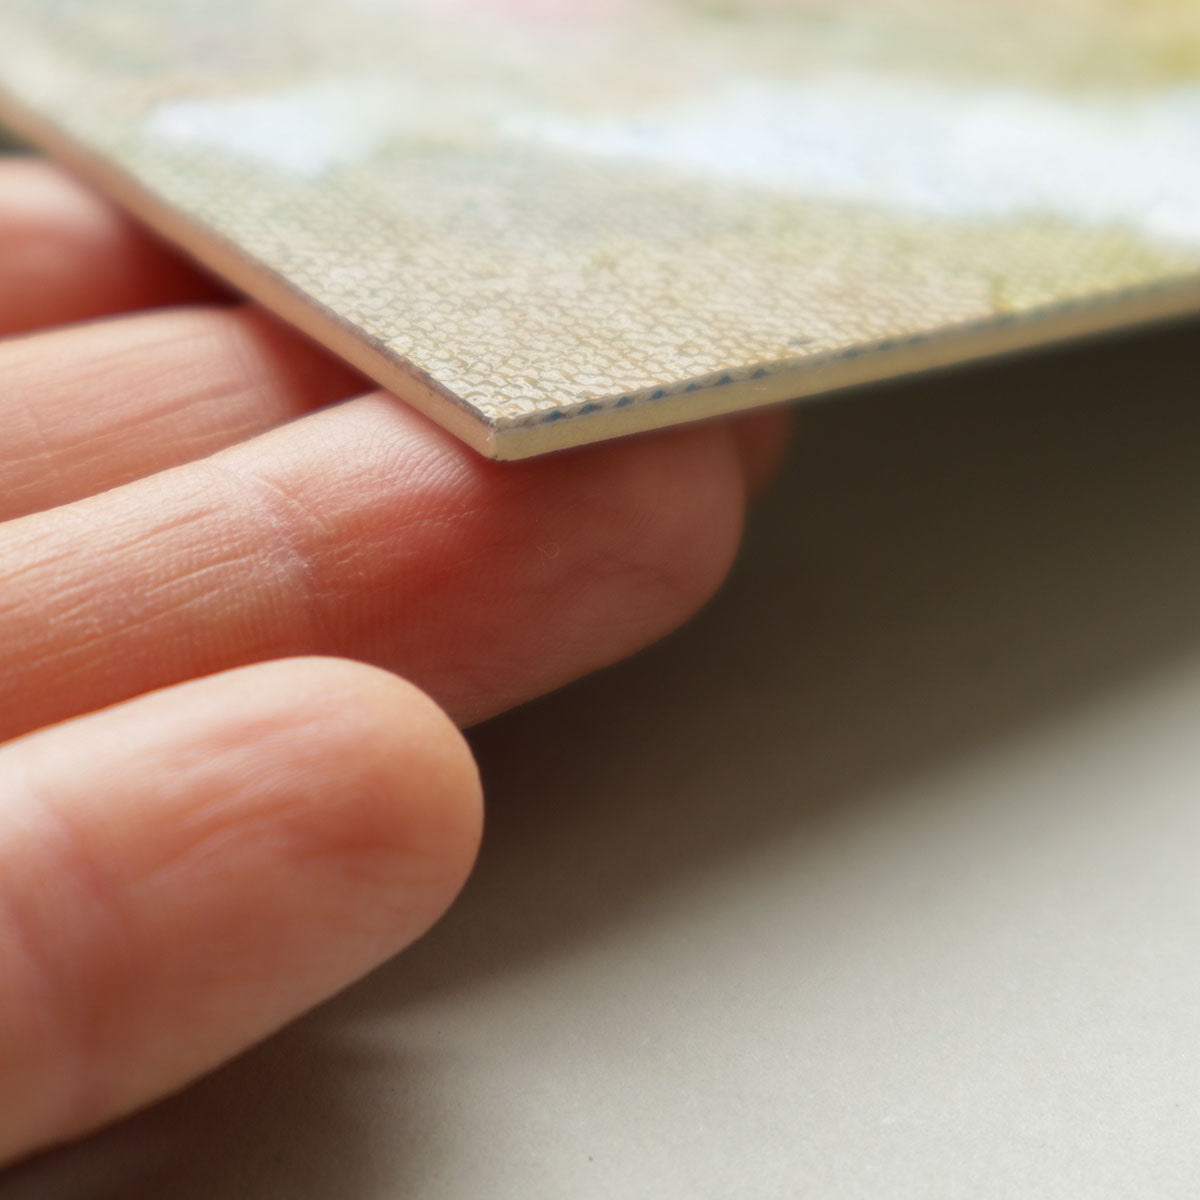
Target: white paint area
[304, 130]
[923, 147]
[912, 146]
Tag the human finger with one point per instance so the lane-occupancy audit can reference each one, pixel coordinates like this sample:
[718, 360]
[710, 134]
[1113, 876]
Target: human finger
[68, 255]
[88, 407]
[364, 530]
[183, 873]
[762, 438]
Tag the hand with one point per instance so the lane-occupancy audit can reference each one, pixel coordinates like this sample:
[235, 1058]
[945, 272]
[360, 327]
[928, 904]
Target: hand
[201, 833]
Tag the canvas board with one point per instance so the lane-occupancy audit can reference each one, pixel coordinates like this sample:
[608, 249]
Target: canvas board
[546, 224]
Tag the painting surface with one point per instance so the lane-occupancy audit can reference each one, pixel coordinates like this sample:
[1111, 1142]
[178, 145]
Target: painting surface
[544, 213]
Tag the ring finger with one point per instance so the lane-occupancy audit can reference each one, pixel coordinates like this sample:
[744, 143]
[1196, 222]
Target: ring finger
[67, 255]
[88, 407]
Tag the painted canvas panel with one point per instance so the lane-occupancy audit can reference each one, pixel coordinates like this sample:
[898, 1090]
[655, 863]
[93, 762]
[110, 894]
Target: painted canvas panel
[550, 223]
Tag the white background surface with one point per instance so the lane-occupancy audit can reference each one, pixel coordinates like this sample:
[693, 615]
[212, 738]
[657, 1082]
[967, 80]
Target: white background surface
[880, 880]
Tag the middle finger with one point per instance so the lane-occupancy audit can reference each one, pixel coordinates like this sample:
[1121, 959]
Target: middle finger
[364, 530]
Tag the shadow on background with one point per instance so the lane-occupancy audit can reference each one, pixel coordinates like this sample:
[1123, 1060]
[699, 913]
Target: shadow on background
[944, 565]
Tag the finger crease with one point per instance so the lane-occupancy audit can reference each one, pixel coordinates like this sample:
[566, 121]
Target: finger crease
[284, 520]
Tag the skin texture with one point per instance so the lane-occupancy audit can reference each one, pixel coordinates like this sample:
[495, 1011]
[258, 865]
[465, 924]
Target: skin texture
[221, 558]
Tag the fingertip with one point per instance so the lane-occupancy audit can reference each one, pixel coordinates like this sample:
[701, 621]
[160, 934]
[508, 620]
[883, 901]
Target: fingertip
[687, 499]
[414, 790]
[762, 438]
[340, 775]
[228, 853]
[576, 561]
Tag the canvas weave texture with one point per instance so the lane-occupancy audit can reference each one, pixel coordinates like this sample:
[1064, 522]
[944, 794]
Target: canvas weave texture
[546, 224]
